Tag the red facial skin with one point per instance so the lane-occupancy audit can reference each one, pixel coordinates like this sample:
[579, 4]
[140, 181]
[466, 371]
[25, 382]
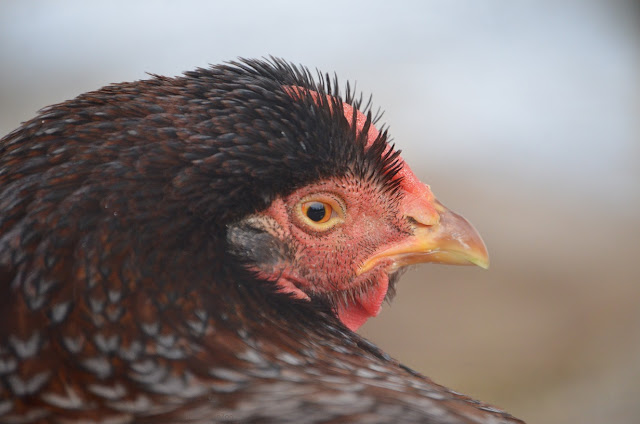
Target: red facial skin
[326, 262]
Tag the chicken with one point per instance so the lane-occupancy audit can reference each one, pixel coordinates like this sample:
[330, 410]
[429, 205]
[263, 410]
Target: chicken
[201, 249]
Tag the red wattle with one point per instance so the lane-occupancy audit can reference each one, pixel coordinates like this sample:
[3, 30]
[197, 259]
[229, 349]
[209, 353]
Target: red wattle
[356, 314]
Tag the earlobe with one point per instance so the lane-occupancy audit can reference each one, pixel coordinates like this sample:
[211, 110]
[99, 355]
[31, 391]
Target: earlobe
[259, 241]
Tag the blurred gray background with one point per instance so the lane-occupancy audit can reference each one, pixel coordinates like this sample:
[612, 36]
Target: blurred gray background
[522, 115]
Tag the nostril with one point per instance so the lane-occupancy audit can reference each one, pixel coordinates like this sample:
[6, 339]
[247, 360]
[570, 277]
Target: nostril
[417, 222]
[413, 221]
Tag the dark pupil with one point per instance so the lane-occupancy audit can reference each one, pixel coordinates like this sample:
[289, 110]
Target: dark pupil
[316, 211]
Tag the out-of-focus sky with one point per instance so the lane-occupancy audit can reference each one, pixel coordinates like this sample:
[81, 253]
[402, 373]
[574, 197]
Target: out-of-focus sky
[522, 115]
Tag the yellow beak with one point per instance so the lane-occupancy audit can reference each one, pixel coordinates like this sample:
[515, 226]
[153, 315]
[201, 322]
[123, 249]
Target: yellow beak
[441, 236]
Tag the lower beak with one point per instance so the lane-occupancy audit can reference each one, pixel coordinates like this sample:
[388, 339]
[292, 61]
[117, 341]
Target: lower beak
[451, 239]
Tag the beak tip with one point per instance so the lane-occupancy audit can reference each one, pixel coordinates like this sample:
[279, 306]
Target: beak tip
[462, 241]
[484, 264]
[479, 255]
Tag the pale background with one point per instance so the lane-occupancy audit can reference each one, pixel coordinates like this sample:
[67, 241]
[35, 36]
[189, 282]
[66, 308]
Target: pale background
[522, 115]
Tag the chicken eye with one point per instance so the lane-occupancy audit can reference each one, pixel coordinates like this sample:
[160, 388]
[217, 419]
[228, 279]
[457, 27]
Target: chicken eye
[320, 212]
[317, 211]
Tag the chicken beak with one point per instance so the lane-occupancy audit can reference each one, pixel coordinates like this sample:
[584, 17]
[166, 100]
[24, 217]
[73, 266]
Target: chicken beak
[439, 236]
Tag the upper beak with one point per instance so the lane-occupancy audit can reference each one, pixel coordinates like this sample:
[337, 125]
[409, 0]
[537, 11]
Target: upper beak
[439, 236]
